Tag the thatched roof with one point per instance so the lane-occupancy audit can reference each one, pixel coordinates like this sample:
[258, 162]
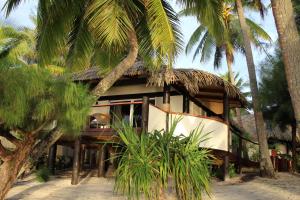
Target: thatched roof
[193, 80]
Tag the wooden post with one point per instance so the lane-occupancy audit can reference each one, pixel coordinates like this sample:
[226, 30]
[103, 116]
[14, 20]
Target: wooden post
[145, 114]
[101, 160]
[226, 120]
[166, 97]
[239, 156]
[166, 103]
[91, 158]
[52, 158]
[82, 157]
[76, 162]
[186, 104]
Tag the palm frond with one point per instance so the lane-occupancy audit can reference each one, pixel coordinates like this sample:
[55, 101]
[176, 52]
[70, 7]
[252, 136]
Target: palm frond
[109, 23]
[195, 37]
[164, 29]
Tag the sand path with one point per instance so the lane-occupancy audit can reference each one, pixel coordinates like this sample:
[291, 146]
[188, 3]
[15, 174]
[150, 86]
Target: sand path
[286, 187]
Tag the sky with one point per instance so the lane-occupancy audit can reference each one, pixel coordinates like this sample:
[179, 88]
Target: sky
[20, 17]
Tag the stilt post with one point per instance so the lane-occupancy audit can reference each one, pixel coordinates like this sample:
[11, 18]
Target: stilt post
[166, 103]
[52, 158]
[186, 104]
[76, 162]
[101, 160]
[226, 120]
[145, 113]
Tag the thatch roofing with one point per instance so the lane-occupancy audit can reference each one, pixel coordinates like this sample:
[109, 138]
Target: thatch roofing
[194, 81]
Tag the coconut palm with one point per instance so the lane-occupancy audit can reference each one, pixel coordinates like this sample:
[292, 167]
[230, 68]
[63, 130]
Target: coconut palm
[266, 167]
[207, 44]
[289, 42]
[118, 30]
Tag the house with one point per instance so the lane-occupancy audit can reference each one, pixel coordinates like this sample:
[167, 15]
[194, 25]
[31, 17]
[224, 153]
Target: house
[279, 141]
[149, 100]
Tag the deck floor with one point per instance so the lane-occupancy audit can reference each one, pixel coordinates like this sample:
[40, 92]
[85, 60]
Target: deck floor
[286, 187]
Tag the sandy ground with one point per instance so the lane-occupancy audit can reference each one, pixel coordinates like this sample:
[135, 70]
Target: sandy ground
[286, 187]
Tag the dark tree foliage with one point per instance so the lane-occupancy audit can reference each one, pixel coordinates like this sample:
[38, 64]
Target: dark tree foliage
[274, 94]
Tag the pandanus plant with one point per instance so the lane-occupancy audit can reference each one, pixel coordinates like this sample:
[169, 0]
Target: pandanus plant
[153, 162]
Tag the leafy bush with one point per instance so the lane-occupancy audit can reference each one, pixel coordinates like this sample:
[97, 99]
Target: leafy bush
[231, 170]
[149, 160]
[42, 174]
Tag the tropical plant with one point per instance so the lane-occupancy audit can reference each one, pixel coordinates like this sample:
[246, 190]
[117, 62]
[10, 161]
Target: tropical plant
[208, 45]
[16, 46]
[266, 167]
[289, 41]
[149, 160]
[42, 174]
[32, 102]
[275, 98]
[116, 31]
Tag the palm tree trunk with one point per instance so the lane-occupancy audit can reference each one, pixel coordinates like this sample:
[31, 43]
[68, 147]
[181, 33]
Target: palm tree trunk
[120, 69]
[294, 156]
[266, 168]
[290, 46]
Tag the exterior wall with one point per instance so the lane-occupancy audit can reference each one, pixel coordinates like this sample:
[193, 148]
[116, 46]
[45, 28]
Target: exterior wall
[216, 107]
[217, 137]
[131, 89]
[157, 119]
[196, 110]
[103, 110]
[175, 103]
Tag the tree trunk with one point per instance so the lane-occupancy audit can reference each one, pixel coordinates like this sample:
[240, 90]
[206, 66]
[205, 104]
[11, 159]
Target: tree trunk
[41, 148]
[10, 168]
[294, 153]
[120, 69]
[266, 168]
[290, 46]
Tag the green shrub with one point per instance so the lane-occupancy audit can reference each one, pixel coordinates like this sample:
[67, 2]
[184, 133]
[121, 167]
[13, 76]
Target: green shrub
[231, 170]
[149, 160]
[42, 174]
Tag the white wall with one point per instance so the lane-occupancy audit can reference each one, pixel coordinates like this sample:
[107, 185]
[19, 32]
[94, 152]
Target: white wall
[218, 131]
[157, 119]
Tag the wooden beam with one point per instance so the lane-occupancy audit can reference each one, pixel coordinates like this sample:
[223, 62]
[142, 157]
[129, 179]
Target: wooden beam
[101, 160]
[136, 96]
[76, 162]
[52, 158]
[226, 120]
[166, 97]
[145, 113]
[186, 104]
[82, 156]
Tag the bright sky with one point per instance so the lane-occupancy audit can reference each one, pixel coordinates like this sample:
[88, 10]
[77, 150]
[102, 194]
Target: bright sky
[20, 17]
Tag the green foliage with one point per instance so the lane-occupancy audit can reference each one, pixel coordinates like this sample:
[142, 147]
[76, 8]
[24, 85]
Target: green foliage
[274, 94]
[32, 97]
[42, 174]
[105, 25]
[207, 44]
[151, 158]
[231, 170]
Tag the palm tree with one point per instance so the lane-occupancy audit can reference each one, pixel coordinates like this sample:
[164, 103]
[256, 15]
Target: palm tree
[207, 44]
[266, 168]
[290, 46]
[119, 30]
